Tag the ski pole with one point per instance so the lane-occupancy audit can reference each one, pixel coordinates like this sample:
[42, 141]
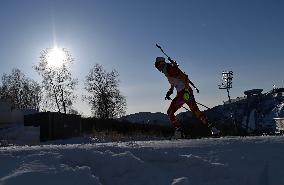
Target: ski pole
[185, 108]
[196, 103]
[203, 105]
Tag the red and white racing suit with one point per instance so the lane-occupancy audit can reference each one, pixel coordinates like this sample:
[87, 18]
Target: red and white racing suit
[180, 82]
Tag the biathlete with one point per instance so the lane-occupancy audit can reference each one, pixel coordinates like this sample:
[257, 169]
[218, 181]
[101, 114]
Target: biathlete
[180, 81]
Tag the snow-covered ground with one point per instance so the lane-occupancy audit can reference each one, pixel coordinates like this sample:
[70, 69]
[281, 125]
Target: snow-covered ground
[216, 161]
[19, 134]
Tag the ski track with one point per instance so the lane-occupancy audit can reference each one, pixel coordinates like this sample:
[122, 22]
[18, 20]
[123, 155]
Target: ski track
[218, 161]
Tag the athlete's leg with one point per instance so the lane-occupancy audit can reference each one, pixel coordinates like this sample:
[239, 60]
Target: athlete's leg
[195, 110]
[176, 103]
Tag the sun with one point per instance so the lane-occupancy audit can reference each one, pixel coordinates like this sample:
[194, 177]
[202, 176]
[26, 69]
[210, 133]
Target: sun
[56, 57]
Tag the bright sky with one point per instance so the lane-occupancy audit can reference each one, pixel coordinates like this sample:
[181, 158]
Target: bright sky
[204, 36]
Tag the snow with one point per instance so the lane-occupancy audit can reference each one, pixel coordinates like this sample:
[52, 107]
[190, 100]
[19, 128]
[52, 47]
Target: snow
[20, 135]
[207, 161]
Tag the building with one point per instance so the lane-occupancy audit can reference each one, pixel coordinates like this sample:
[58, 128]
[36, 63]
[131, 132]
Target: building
[19, 114]
[5, 112]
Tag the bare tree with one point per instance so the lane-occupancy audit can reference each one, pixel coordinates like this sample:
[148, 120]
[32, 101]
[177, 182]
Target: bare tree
[57, 82]
[104, 96]
[20, 90]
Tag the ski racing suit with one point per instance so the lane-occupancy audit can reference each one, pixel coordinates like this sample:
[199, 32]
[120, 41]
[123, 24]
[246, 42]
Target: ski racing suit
[179, 80]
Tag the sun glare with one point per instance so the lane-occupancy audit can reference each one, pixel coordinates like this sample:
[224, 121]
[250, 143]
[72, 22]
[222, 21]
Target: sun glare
[56, 57]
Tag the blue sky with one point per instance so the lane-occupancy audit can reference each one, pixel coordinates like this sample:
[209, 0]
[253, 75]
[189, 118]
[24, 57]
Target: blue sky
[204, 36]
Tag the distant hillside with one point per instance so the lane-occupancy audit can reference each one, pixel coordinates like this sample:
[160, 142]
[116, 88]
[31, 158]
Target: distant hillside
[148, 118]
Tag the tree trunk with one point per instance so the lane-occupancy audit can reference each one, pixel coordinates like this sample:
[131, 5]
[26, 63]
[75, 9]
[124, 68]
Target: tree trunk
[56, 100]
[62, 100]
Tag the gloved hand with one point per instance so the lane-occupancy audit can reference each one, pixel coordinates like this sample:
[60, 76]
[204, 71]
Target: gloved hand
[197, 90]
[169, 93]
[173, 62]
[169, 58]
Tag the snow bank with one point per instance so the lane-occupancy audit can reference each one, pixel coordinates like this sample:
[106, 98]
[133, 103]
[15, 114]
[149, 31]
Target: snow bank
[224, 161]
[20, 135]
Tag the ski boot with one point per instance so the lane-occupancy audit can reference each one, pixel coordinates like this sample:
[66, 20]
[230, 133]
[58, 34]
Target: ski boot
[214, 130]
[179, 134]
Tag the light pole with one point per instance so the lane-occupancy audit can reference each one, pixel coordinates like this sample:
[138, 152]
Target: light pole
[227, 77]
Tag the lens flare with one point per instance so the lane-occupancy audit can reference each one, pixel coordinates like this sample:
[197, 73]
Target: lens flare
[56, 57]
